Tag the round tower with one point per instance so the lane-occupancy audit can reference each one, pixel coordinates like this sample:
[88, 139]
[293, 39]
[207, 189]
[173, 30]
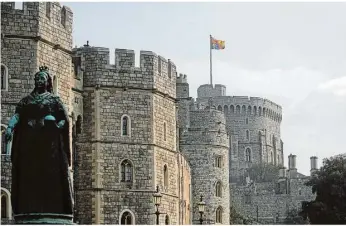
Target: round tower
[205, 144]
[254, 127]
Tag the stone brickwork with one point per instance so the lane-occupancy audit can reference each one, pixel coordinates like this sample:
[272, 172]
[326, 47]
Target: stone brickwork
[268, 203]
[253, 123]
[146, 95]
[201, 143]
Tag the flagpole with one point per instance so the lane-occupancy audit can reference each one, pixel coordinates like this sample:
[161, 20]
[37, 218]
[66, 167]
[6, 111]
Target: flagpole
[211, 61]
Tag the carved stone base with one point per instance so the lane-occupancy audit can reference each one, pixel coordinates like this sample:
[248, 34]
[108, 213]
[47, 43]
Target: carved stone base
[43, 218]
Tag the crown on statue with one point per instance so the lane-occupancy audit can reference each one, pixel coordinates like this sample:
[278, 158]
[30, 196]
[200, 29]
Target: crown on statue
[44, 69]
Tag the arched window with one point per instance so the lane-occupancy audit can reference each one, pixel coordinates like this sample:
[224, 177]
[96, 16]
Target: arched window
[164, 131]
[225, 108]
[126, 171]
[6, 212]
[264, 112]
[259, 111]
[4, 77]
[125, 125]
[48, 7]
[165, 176]
[219, 108]
[167, 220]
[271, 157]
[246, 121]
[218, 161]
[3, 141]
[254, 110]
[237, 109]
[248, 155]
[243, 110]
[79, 125]
[63, 16]
[232, 109]
[127, 218]
[218, 189]
[247, 135]
[219, 215]
[249, 110]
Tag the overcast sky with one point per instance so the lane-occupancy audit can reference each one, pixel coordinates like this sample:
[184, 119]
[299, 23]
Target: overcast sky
[291, 53]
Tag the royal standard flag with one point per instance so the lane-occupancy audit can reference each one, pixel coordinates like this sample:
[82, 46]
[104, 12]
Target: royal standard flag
[217, 44]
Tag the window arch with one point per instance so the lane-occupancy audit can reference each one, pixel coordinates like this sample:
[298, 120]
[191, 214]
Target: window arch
[249, 110]
[126, 217]
[219, 215]
[218, 161]
[6, 209]
[248, 155]
[165, 176]
[219, 108]
[126, 125]
[243, 110]
[232, 109]
[48, 9]
[79, 125]
[255, 110]
[259, 111]
[63, 16]
[237, 109]
[225, 108]
[247, 135]
[167, 220]
[218, 189]
[4, 77]
[126, 171]
[271, 157]
[264, 112]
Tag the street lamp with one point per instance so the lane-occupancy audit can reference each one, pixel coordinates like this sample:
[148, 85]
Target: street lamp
[157, 201]
[201, 206]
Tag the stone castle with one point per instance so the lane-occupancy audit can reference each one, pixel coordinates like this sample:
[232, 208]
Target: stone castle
[134, 128]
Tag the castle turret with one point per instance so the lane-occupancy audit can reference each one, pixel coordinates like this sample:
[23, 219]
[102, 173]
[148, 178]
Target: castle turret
[206, 144]
[292, 166]
[313, 165]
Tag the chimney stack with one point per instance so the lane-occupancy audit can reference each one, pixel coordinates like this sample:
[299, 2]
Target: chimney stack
[313, 165]
[292, 165]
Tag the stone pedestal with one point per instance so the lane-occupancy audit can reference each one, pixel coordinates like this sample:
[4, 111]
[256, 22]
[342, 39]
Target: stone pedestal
[43, 218]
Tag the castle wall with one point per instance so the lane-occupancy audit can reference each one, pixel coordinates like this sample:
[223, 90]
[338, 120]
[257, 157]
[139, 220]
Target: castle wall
[206, 139]
[266, 204]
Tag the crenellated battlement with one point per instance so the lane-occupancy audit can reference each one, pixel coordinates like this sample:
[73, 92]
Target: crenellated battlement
[209, 97]
[154, 71]
[182, 78]
[49, 22]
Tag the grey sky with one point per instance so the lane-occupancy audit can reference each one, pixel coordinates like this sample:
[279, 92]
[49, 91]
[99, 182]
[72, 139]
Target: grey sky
[291, 53]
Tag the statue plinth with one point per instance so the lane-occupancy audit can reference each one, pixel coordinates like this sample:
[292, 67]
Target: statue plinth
[43, 218]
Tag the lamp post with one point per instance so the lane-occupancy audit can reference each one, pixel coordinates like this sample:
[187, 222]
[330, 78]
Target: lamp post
[201, 206]
[157, 201]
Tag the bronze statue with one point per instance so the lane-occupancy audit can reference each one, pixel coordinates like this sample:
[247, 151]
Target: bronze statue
[40, 153]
